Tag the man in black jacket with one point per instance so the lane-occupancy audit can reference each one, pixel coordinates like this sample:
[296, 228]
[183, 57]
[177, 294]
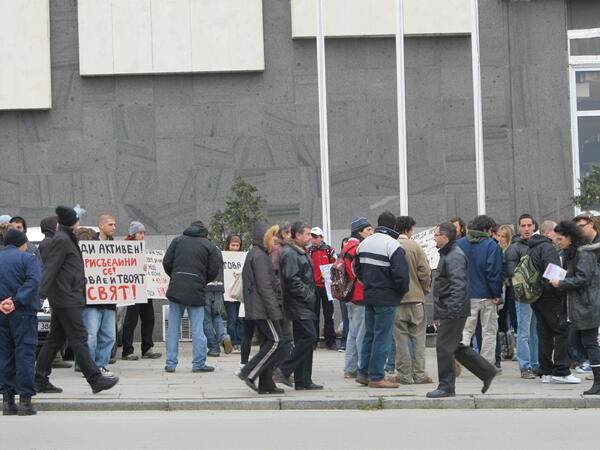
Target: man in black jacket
[452, 307]
[191, 261]
[64, 286]
[299, 299]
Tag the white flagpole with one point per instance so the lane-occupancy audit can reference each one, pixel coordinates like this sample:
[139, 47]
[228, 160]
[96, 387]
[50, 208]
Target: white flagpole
[324, 138]
[401, 104]
[477, 109]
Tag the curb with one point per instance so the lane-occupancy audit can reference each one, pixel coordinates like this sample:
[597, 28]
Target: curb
[290, 404]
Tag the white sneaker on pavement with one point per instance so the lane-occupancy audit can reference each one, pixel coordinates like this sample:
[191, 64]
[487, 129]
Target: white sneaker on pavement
[569, 379]
[546, 378]
[107, 373]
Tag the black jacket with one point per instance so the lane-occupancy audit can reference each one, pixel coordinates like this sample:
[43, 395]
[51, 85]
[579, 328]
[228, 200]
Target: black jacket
[513, 255]
[298, 284]
[48, 227]
[582, 288]
[191, 261]
[543, 253]
[451, 285]
[217, 285]
[64, 278]
[262, 298]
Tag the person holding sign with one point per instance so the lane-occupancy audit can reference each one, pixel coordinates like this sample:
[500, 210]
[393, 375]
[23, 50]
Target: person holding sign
[145, 311]
[191, 261]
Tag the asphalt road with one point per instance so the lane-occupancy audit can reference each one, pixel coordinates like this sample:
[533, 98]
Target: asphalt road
[409, 429]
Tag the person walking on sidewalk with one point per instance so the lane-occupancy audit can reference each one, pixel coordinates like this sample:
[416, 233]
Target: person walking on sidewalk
[191, 261]
[63, 283]
[20, 276]
[264, 306]
[322, 254]
[380, 265]
[451, 308]
[299, 305]
[411, 322]
[581, 291]
[145, 311]
[235, 323]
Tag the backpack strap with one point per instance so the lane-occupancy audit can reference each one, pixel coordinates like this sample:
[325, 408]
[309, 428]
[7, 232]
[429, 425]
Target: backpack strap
[347, 255]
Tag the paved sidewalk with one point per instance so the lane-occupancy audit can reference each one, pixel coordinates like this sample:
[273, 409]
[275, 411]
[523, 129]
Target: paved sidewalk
[145, 385]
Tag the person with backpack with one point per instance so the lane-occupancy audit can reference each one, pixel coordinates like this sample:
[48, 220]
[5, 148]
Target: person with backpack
[552, 328]
[360, 229]
[581, 293]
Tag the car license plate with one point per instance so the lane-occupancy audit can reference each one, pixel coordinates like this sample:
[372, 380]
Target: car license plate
[43, 326]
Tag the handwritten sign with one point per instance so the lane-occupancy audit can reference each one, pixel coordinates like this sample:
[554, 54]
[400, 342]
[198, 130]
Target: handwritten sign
[114, 272]
[157, 280]
[425, 239]
[326, 272]
[233, 262]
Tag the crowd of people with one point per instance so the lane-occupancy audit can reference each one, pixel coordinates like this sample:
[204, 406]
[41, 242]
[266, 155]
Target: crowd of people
[284, 290]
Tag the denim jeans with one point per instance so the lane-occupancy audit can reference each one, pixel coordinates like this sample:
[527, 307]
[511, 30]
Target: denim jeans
[346, 324]
[214, 329]
[356, 334]
[390, 361]
[101, 332]
[235, 324]
[379, 321]
[196, 317]
[527, 337]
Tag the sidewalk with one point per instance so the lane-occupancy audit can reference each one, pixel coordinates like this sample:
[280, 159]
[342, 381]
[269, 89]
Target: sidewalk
[144, 385]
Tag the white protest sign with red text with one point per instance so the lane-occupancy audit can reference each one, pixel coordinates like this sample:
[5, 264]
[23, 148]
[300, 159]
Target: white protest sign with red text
[157, 280]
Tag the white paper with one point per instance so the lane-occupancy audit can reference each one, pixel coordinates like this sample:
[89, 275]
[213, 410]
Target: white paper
[326, 271]
[554, 272]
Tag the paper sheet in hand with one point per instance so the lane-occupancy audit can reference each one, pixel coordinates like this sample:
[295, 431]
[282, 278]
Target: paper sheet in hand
[326, 271]
[554, 272]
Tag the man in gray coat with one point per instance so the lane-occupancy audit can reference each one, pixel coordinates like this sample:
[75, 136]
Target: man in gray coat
[452, 307]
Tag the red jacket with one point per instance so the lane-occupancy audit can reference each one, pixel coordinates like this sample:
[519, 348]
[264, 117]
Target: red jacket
[321, 256]
[358, 295]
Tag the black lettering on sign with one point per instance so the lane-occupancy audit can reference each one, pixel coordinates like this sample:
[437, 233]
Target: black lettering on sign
[232, 265]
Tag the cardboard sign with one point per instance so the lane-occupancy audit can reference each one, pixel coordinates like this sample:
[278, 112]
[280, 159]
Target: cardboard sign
[326, 272]
[425, 239]
[114, 272]
[157, 280]
[233, 262]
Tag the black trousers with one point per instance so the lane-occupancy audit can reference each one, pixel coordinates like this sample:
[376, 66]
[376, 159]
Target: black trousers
[18, 338]
[553, 338]
[328, 330]
[261, 364]
[448, 347]
[145, 311]
[586, 342]
[300, 361]
[249, 327]
[287, 341]
[66, 323]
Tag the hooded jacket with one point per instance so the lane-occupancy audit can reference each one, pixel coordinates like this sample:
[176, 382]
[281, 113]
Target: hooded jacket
[217, 285]
[542, 253]
[48, 227]
[451, 284]
[517, 249]
[262, 297]
[419, 272]
[349, 250]
[321, 256]
[485, 264]
[20, 276]
[582, 288]
[296, 270]
[191, 261]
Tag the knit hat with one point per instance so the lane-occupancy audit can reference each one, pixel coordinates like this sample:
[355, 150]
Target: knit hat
[15, 237]
[359, 224]
[136, 227]
[5, 218]
[66, 216]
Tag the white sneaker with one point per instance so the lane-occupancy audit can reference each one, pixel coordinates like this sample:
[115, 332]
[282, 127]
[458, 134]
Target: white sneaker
[239, 370]
[107, 373]
[569, 379]
[546, 378]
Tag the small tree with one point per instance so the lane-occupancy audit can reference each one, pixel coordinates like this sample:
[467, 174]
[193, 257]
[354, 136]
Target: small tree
[242, 209]
[589, 189]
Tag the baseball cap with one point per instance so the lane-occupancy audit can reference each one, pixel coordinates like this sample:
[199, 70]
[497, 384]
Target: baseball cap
[317, 231]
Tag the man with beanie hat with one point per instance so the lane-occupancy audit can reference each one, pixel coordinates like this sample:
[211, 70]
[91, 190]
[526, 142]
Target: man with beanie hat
[137, 232]
[63, 284]
[20, 275]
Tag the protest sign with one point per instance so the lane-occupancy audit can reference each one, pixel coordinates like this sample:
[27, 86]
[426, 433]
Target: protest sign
[114, 272]
[233, 262]
[425, 239]
[157, 280]
[326, 273]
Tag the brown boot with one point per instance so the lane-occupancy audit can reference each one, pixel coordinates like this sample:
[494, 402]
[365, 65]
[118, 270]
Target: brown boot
[362, 380]
[458, 368]
[383, 384]
[427, 380]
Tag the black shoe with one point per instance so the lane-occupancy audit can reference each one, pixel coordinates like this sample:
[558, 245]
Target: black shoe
[309, 387]
[169, 369]
[281, 378]
[9, 408]
[487, 383]
[46, 387]
[438, 393]
[130, 357]
[151, 355]
[204, 369]
[112, 360]
[104, 383]
[274, 390]
[214, 354]
[250, 383]
[25, 406]
[332, 347]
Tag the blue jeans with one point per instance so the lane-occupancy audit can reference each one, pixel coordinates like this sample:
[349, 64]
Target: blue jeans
[101, 331]
[356, 335]
[346, 324]
[390, 361]
[214, 329]
[235, 324]
[196, 316]
[378, 339]
[527, 338]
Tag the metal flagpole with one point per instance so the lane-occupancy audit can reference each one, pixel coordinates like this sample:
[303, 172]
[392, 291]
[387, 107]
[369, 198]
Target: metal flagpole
[324, 139]
[401, 103]
[477, 108]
